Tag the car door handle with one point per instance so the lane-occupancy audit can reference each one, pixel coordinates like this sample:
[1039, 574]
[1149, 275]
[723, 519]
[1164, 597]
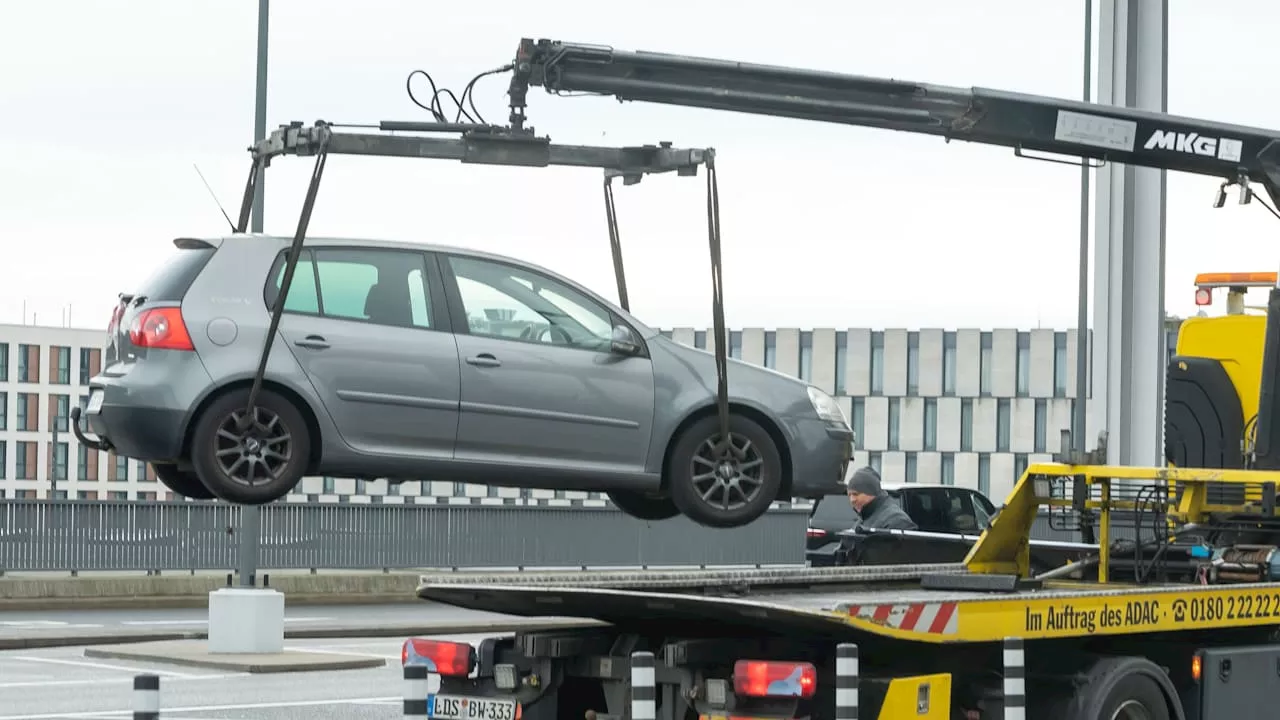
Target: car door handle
[315, 342]
[484, 360]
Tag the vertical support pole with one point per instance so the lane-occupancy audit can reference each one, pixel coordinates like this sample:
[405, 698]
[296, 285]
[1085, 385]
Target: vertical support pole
[146, 697]
[1128, 355]
[1015, 680]
[644, 686]
[250, 517]
[1080, 413]
[846, 681]
[415, 690]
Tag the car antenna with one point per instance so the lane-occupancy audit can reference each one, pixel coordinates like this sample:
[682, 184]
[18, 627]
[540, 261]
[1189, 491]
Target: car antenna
[215, 197]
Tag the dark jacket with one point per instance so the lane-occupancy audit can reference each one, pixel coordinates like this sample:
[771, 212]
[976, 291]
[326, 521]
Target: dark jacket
[883, 513]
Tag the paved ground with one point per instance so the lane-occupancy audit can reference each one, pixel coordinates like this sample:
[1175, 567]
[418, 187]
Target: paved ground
[62, 684]
[37, 623]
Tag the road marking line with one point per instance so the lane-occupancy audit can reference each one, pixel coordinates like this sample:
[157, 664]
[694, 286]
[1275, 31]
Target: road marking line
[61, 683]
[341, 652]
[206, 708]
[103, 666]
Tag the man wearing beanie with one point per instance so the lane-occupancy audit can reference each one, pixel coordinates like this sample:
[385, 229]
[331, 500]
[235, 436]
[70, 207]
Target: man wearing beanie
[873, 504]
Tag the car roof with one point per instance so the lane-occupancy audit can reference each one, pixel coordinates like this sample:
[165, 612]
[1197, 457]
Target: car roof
[895, 487]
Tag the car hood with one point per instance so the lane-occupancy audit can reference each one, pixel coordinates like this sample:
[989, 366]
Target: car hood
[689, 367]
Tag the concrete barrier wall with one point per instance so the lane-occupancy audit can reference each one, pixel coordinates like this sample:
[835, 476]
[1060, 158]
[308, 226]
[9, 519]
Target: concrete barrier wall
[91, 535]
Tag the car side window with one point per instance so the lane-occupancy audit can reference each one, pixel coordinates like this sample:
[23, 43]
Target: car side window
[385, 287]
[962, 512]
[514, 303]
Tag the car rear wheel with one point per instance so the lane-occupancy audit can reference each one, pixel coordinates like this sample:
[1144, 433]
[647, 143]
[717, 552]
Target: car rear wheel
[724, 484]
[250, 461]
[182, 482]
[642, 506]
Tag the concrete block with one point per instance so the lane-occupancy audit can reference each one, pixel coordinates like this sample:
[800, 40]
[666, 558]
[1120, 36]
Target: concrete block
[246, 621]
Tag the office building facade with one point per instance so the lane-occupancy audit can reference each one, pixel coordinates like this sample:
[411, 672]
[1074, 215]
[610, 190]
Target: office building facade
[964, 407]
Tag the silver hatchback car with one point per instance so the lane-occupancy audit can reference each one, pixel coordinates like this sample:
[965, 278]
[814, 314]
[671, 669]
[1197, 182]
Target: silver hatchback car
[414, 362]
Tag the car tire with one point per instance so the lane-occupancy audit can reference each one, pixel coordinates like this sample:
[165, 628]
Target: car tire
[690, 463]
[182, 482]
[642, 506]
[281, 443]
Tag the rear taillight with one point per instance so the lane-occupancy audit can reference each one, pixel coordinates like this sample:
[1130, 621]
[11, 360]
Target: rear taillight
[815, 533]
[763, 678]
[160, 329]
[445, 658]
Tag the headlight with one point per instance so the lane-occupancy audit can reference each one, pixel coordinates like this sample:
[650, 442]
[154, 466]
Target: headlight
[826, 406]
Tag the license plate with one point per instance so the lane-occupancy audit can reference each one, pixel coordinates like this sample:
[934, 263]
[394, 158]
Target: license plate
[461, 707]
[95, 403]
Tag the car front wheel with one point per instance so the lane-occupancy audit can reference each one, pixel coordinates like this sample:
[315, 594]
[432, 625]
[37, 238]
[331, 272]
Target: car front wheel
[182, 482]
[724, 484]
[250, 461]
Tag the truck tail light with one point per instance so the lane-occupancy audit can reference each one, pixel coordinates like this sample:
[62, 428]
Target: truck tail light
[160, 329]
[445, 658]
[763, 678]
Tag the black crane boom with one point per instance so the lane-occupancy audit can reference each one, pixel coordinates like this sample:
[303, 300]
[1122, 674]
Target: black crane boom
[1237, 154]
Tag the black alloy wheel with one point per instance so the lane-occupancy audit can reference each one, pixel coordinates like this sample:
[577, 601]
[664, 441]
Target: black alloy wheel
[251, 460]
[724, 484]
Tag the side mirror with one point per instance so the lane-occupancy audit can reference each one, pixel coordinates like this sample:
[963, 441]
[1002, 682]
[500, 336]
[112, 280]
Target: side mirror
[624, 341]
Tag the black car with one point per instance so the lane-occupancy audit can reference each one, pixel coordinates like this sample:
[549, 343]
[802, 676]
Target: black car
[934, 508]
[957, 516]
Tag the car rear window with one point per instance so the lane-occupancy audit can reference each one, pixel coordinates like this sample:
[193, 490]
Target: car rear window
[170, 281]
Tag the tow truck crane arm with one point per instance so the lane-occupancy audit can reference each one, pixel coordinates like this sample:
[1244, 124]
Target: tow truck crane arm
[1239, 155]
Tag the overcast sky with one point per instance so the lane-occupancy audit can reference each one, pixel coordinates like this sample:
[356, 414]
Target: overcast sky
[106, 106]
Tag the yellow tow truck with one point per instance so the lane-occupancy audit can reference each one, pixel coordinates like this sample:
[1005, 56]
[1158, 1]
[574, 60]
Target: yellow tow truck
[1178, 622]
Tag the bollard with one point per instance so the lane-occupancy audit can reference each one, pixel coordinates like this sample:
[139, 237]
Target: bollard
[415, 690]
[146, 697]
[1015, 680]
[644, 686]
[846, 681]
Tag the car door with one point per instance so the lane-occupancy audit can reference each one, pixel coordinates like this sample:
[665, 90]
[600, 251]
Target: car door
[370, 329]
[540, 384]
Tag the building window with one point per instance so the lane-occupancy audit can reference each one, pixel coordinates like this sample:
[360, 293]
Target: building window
[4, 362]
[4, 411]
[700, 339]
[984, 365]
[1042, 425]
[911, 467]
[895, 417]
[842, 358]
[948, 469]
[1024, 364]
[966, 425]
[86, 494]
[90, 364]
[60, 365]
[1002, 425]
[326, 486]
[913, 363]
[859, 408]
[666, 334]
[60, 412]
[59, 457]
[24, 465]
[873, 459]
[1059, 364]
[1019, 466]
[28, 363]
[984, 473]
[735, 344]
[4, 458]
[770, 349]
[361, 486]
[806, 355]
[82, 462]
[877, 363]
[931, 424]
[118, 495]
[120, 469]
[142, 470]
[28, 412]
[948, 363]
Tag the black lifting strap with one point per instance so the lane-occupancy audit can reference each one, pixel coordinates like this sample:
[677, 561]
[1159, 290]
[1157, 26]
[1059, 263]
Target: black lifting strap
[615, 243]
[717, 306]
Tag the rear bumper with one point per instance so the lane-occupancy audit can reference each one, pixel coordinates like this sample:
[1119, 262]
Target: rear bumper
[142, 433]
[820, 457]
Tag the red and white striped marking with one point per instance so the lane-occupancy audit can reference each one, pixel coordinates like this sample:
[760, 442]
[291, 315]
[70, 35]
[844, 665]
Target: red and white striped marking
[931, 618]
